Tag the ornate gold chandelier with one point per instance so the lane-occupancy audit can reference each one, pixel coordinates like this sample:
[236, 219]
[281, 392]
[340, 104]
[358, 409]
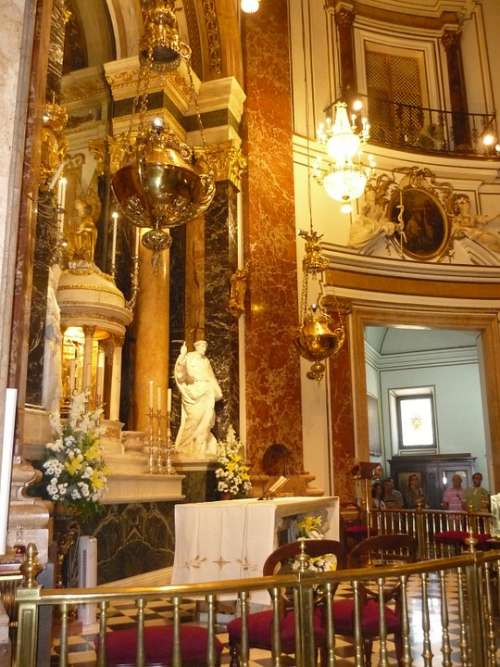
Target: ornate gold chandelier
[318, 338]
[162, 182]
[344, 176]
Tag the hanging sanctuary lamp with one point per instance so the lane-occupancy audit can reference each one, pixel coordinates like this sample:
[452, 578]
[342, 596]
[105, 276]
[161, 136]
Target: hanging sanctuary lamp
[317, 337]
[163, 182]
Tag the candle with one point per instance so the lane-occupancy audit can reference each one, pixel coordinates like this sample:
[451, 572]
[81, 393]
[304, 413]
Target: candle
[72, 365]
[61, 203]
[169, 400]
[114, 215]
[151, 387]
[137, 239]
[158, 398]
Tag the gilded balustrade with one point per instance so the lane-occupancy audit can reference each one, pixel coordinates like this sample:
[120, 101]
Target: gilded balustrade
[425, 524]
[478, 592]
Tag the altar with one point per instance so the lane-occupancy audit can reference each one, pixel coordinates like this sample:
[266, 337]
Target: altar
[231, 539]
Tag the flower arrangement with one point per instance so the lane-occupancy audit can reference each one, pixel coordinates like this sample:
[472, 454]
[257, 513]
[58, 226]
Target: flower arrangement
[74, 470]
[311, 526]
[324, 563]
[231, 472]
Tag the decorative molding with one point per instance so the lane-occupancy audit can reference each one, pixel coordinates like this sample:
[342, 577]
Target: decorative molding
[426, 14]
[213, 36]
[424, 359]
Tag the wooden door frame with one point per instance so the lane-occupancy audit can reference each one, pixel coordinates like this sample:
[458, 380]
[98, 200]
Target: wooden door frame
[379, 314]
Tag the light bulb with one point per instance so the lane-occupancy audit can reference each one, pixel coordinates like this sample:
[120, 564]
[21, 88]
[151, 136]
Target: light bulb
[158, 122]
[346, 209]
[489, 139]
[250, 6]
[497, 148]
[357, 105]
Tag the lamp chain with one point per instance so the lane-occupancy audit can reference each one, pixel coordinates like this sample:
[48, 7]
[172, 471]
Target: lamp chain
[308, 127]
[194, 97]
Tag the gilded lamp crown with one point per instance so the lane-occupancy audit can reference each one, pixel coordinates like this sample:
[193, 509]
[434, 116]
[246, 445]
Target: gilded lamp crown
[160, 46]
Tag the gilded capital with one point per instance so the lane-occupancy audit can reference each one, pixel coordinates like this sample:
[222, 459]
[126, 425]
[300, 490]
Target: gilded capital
[227, 162]
[344, 17]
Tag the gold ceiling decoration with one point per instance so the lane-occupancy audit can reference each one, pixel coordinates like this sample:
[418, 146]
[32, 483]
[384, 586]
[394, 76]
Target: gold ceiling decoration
[318, 338]
[162, 182]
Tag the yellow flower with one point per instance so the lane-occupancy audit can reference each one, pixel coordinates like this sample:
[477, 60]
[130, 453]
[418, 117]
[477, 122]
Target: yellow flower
[73, 466]
[93, 453]
[97, 480]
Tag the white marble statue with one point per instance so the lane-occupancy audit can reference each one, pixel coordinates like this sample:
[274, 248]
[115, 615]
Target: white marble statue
[475, 235]
[199, 390]
[52, 358]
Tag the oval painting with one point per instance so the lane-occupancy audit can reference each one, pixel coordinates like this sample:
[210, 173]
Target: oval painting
[426, 229]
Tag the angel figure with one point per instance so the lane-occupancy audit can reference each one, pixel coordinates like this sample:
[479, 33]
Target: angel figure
[371, 224]
[468, 226]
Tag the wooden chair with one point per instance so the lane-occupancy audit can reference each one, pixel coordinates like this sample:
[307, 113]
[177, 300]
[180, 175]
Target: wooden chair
[260, 623]
[372, 552]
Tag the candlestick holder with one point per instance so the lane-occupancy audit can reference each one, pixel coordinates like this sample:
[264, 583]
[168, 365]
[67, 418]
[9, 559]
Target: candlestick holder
[170, 449]
[151, 441]
[159, 443]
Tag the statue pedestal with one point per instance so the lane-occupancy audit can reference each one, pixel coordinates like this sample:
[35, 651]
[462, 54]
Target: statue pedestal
[142, 487]
[200, 483]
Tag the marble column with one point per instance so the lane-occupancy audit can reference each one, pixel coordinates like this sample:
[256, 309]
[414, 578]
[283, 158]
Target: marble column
[46, 227]
[272, 375]
[178, 295]
[344, 18]
[116, 379]
[342, 420]
[458, 97]
[221, 328]
[152, 333]
[87, 357]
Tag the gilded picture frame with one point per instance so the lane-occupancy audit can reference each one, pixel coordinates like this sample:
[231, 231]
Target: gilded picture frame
[426, 230]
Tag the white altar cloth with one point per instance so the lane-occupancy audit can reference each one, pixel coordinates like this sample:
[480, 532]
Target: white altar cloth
[231, 539]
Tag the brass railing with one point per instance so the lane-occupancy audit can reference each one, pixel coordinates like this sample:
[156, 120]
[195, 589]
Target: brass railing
[425, 524]
[475, 575]
[429, 130]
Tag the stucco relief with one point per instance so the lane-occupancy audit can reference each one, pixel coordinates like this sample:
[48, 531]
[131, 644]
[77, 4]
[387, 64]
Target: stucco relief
[411, 216]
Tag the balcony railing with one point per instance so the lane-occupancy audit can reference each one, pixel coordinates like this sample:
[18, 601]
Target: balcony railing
[474, 576]
[427, 130]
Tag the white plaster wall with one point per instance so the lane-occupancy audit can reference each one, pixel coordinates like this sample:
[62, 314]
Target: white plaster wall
[459, 410]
